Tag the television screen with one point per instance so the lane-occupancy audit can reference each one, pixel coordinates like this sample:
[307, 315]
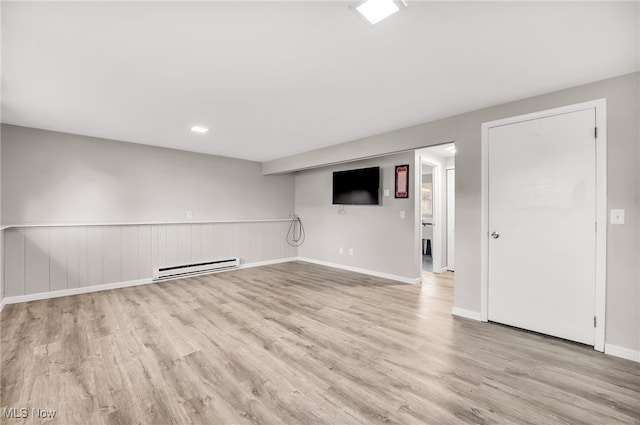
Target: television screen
[357, 187]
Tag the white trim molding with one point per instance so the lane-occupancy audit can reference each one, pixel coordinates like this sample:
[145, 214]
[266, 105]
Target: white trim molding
[74, 291]
[142, 223]
[402, 279]
[600, 107]
[267, 263]
[622, 352]
[467, 314]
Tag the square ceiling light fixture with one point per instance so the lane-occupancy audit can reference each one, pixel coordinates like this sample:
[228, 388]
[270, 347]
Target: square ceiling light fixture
[375, 11]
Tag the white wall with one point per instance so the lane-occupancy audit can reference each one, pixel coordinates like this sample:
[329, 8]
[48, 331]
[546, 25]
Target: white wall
[382, 241]
[58, 178]
[623, 244]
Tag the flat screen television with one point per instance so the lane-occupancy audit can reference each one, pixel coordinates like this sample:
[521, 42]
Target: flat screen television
[357, 187]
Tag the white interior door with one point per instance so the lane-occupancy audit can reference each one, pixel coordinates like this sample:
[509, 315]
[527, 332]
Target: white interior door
[451, 216]
[542, 214]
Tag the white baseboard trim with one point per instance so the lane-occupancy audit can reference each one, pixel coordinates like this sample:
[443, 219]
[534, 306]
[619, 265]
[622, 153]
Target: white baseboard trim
[467, 314]
[442, 270]
[363, 271]
[622, 352]
[74, 291]
[2, 304]
[267, 263]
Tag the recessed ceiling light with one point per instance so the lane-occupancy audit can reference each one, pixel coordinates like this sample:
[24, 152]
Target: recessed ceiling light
[199, 129]
[375, 11]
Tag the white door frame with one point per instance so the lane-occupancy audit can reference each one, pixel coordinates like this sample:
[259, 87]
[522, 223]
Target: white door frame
[450, 242]
[600, 106]
[436, 204]
[422, 156]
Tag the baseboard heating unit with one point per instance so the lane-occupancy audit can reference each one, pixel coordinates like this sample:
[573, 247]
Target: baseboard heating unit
[172, 272]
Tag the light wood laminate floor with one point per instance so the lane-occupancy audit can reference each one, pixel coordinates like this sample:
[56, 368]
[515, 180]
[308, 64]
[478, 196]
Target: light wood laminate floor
[297, 343]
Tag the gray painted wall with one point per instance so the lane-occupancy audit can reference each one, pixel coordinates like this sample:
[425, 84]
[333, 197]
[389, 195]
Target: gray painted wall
[50, 177]
[623, 244]
[1, 231]
[381, 240]
[56, 178]
[428, 134]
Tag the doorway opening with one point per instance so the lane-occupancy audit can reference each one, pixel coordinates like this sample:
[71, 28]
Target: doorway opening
[435, 193]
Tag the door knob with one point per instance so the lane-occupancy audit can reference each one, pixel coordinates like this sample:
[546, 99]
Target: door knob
[495, 235]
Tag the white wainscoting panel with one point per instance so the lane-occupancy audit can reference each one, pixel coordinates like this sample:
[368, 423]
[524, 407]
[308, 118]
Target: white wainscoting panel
[72, 246]
[83, 257]
[130, 253]
[45, 259]
[144, 255]
[58, 265]
[14, 253]
[171, 247]
[36, 260]
[94, 257]
[112, 254]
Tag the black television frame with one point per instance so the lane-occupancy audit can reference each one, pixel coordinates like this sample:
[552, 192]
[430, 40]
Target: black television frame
[356, 170]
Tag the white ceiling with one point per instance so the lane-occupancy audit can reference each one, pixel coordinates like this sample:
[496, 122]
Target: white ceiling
[273, 79]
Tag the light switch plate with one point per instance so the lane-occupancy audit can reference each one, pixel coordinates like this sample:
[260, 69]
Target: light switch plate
[402, 214]
[386, 192]
[617, 217]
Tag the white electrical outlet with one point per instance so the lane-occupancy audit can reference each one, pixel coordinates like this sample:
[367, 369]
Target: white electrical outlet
[402, 214]
[189, 214]
[617, 217]
[386, 192]
[341, 250]
[350, 251]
